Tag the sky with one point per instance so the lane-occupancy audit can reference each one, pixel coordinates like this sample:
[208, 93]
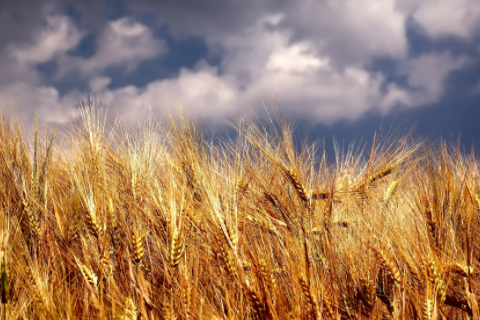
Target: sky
[336, 68]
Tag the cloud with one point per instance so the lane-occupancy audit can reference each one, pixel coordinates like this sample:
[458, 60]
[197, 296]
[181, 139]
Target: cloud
[56, 38]
[24, 99]
[426, 75]
[99, 83]
[302, 80]
[124, 42]
[201, 92]
[262, 59]
[21, 90]
[206, 18]
[347, 31]
[350, 32]
[440, 18]
[316, 57]
[28, 40]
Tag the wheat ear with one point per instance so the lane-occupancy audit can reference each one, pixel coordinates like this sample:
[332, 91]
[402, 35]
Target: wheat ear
[138, 250]
[267, 275]
[293, 178]
[113, 222]
[391, 264]
[312, 307]
[177, 246]
[392, 187]
[90, 277]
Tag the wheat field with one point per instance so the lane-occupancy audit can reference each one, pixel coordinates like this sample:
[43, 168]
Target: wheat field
[162, 223]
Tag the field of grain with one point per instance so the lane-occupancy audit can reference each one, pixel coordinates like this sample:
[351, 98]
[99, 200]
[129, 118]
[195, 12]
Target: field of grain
[161, 223]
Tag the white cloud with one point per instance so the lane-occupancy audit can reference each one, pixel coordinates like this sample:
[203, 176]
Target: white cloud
[200, 91]
[448, 17]
[294, 58]
[23, 99]
[349, 31]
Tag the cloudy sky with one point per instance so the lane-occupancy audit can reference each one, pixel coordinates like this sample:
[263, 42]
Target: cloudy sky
[338, 67]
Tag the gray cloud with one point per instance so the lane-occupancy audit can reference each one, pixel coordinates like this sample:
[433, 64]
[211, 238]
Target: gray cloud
[426, 75]
[53, 40]
[33, 32]
[16, 28]
[124, 42]
[347, 31]
[313, 54]
[207, 18]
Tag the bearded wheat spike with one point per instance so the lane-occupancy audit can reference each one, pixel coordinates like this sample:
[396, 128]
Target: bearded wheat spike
[38, 294]
[113, 222]
[91, 216]
[106, 263]
[241, 187]
[261, 222]
[297, 184]
[267, 275]
[89, 276]
[391, 264]
[229, 258]
[167, 311]
[136, 186]
[434, 274]
[32, 218]
[254, 299]
[131, 312]
[427, 309]
[92, 224]
[385, 171]
[327, 304]
[368, 292]
[226, 254]
[477, 200]
[390, 190]
[177, 246]
[431, 225]
[232, 237]
[442, 293]
[306, 293]
[138, 251]
[187, 297]
[460, 269]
